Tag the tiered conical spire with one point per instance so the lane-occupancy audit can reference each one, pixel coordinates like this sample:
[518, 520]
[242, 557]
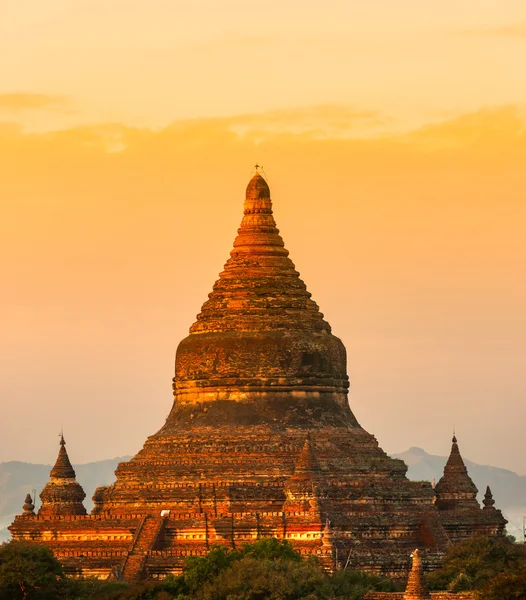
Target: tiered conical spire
[63, 467]
[305, 487]
[307, 466]
[489, 503]
[455, 489]
[259, 286]
[327, 552]
[307, 474]
[326, 535]
[62, 494]
[416, 584]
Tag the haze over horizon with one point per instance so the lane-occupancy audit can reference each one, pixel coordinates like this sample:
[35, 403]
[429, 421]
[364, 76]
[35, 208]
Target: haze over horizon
[393, 140]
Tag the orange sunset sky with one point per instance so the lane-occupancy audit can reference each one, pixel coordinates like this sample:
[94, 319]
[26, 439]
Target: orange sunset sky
[393, 137]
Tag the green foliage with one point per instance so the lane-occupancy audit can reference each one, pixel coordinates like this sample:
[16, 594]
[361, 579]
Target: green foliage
[203, 569]
[481, 564]
[353, 585]
[88, 588]
[271, 549]
[253, 578]
[143, 590]
[29, 571]
[510, 585]
[268, 569]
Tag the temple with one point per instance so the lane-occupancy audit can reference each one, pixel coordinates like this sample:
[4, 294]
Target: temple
[260, 442]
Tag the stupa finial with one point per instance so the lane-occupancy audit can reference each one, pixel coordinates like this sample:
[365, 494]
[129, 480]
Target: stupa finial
[257, 188]
[489, 502]
[29, 507]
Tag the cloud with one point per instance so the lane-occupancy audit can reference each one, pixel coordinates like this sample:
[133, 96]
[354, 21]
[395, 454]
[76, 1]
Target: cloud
[16, 102]
[515, 30]
[315, 122]
[488, 130]
[489, 127]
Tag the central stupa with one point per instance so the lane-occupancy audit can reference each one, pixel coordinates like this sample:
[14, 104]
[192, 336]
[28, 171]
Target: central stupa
[260, 441]
[260, 352]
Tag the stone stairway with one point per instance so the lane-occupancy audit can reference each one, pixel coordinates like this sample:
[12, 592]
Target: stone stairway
[432, 532]
[145, 539]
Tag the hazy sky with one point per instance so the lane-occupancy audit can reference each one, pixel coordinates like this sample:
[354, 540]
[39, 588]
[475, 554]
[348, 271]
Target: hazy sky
[393, 137]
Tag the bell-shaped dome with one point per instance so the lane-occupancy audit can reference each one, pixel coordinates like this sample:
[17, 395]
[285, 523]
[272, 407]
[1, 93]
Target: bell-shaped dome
[260, 337]
[257, 188]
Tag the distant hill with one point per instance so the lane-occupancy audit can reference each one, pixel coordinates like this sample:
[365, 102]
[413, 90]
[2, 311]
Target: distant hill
[19, 478]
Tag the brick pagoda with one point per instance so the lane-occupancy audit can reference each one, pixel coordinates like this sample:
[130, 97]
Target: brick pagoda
[260, 441]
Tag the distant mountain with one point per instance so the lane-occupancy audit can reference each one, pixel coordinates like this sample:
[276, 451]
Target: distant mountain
[19, 478]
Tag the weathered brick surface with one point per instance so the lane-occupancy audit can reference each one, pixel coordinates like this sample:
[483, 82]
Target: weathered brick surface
[456, 501]
[260, 442]
[62, 494]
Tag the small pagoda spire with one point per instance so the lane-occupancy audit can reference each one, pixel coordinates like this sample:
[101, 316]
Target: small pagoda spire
[307, 475]
[304, 487]
[455, 489]
[327, 551]
[307, 463]
[489, 503]
[62, 495]
[63, 466]
[326, 535]
[29, 507]
[416, 584]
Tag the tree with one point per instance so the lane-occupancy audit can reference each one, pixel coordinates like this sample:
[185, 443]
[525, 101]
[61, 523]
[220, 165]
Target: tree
[253, 578]
[271, 549]
[353, 585]
[472, 564]
[142, 590]
[29, 571]
[510, 585]
[202, 569]
[267, 569]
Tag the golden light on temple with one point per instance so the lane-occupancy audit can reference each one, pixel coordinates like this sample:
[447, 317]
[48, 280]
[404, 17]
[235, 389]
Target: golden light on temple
[260, 442]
